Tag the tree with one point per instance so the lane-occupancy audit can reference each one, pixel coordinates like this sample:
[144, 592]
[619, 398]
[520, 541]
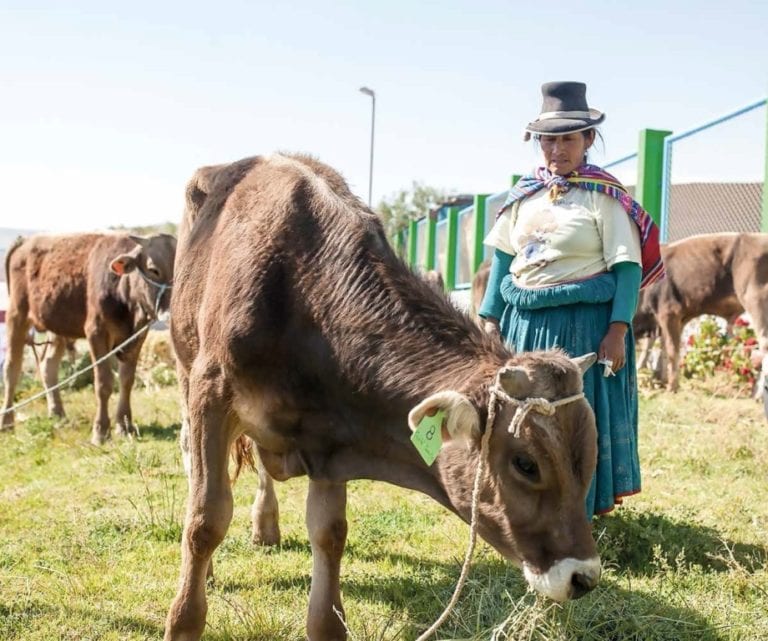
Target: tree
[405, 205]
[147, 230]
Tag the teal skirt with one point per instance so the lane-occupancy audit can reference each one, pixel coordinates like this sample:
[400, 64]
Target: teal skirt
[574, 317]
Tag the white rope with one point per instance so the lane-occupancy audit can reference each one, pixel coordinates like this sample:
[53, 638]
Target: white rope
[46, 390]
[27, 401]
[541, 405]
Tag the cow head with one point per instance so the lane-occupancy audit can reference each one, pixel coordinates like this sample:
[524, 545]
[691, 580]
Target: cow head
[532, 495]
[150, 266]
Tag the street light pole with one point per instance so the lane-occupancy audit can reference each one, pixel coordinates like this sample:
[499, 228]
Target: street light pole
[372, 94]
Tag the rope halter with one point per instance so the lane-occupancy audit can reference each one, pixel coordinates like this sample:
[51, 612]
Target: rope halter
[524, 406]
[161, 287]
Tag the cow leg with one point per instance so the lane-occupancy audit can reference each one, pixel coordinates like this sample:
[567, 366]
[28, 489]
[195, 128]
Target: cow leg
[127, 372]
[660, 370]
[102, 383]
[327, 526]
[16, 328]
[645, 351]
[50, 369]
[265, 514]
[186, 457]
[671, 330]
[209, 506]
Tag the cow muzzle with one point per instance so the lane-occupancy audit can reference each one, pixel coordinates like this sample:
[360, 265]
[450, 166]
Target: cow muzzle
[566, 579]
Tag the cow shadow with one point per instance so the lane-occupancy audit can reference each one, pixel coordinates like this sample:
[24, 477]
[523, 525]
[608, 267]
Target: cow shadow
[160, 432]
[639, 542]
[493, 591]
[639, 545]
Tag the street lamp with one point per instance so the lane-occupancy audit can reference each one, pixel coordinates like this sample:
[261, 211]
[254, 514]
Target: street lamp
[372, 94]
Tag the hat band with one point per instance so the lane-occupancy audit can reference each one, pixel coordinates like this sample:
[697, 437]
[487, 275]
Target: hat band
[548, 115]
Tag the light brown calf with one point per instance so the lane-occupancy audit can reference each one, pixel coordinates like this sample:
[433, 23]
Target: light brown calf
[94, 286]
[721, 274]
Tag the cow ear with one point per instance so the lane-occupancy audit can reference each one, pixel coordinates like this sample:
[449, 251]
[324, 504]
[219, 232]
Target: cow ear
[123, 264]
[585, 362]
[139, 240]
[461, 421]
[515, 381]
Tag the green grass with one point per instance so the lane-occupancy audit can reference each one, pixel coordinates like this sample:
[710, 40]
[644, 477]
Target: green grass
[89, 541]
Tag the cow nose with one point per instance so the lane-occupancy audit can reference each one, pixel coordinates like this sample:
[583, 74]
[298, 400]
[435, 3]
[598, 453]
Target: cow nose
[582, 583]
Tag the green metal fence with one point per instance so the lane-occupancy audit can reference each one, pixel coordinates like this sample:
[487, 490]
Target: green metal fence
[450, 239]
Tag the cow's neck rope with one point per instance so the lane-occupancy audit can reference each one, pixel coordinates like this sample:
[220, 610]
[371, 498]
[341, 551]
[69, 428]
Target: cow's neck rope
[524, 406]
[161, 287]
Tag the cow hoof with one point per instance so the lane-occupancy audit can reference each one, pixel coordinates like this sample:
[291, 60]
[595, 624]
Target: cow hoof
[127, 432]
[124, 427]
[8, 420]
[266, 538]
[98, 438]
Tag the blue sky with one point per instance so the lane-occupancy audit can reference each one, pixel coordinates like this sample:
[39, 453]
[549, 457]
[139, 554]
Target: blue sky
[106, 111]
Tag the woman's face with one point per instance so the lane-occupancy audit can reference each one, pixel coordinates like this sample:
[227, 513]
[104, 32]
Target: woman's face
[563, 154]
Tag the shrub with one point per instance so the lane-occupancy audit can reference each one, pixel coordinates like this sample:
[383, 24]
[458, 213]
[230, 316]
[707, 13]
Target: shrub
[710, 350]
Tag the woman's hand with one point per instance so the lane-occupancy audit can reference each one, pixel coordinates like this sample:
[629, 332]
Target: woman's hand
[612, 346]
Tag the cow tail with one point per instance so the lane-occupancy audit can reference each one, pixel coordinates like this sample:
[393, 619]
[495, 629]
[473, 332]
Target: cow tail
[242, 454]
[16, 244]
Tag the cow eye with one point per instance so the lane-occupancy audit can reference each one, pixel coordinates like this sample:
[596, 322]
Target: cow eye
[153, 272]
[526, 466]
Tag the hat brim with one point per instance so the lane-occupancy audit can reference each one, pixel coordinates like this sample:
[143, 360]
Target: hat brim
[557, 126]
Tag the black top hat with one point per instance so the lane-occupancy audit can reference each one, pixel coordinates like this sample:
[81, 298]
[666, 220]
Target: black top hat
[564, 110]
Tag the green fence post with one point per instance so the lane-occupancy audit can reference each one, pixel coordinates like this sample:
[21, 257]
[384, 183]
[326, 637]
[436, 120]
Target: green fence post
[431, 240]
[478, 249]
[413, 242]
[764, 217]
[452, 242]
[650, 161]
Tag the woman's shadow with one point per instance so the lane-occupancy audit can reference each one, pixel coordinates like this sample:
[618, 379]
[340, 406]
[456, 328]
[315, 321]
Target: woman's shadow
[639, 542]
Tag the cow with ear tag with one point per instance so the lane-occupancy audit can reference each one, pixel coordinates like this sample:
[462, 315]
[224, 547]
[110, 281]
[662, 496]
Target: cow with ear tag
[540, 456]
[296, 325]
[103, 287]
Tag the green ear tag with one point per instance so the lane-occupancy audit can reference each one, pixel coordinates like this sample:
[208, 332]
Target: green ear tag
[428, 437]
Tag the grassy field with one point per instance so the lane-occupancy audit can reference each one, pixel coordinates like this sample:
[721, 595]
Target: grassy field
[89, 541]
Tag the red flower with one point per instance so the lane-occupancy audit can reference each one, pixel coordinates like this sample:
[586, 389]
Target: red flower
[740, 322]
[750, 341]
[691, 340]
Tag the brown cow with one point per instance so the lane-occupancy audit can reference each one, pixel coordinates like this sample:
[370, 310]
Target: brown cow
[103, 287]
[295, 323]
[722, 274]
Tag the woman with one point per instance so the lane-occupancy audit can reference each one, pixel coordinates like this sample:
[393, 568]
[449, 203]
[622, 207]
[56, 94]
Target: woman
[572, 250]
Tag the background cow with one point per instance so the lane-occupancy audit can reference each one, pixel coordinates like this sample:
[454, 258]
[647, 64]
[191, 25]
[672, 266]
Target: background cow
[102, 287]
[721, 274]
[294, 322]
